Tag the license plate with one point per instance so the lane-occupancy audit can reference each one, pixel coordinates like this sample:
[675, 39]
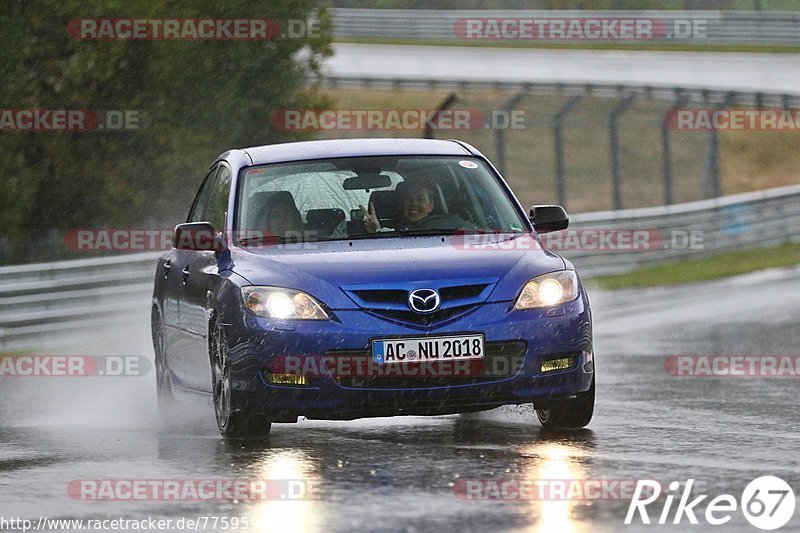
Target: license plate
[421, 349]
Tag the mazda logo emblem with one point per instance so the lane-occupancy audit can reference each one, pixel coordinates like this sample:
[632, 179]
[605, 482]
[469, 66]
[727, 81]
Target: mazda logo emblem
[424, 300]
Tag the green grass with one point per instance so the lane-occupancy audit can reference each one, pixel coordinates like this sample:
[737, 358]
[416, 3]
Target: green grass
[716, 267]
[652, 46]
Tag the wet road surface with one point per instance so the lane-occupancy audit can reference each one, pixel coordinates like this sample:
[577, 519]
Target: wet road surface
[409, 474]
[771, 73]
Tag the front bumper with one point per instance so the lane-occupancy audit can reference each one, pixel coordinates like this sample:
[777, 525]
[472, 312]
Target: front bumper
[539, 334]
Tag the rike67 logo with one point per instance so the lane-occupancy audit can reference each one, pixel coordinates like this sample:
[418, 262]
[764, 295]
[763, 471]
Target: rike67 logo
[767, 502]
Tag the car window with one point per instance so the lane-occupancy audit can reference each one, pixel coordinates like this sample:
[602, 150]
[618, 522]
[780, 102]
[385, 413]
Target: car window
[320, 190]
[218, 199]
[454, 194]
[200, 205]
[212, 200]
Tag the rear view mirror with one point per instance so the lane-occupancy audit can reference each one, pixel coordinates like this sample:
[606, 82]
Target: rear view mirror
[547, 218]
[196, 236]
[367, 182]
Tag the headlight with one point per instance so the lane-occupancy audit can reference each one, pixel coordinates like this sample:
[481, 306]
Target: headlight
[274, 302]
[548, 290]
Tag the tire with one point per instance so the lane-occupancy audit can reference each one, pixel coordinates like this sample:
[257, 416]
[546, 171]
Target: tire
[572, 414]
[165, 395]
[230, 422]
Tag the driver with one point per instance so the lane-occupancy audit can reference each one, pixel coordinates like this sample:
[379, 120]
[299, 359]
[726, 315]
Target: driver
[415, 205]
[416, 208]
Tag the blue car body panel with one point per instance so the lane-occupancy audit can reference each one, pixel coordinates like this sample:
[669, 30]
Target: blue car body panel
[335, 273]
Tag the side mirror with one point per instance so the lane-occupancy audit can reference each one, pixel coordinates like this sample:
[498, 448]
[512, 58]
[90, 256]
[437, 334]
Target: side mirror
[196, 236]
[547, 218]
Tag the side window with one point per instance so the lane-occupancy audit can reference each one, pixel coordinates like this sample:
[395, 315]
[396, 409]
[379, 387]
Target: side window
[200, 205]
[218, 200]
[212, 200]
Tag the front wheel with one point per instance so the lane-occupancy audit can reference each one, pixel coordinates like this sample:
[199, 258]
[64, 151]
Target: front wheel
[572, 414]
[230, 422]
[167, 403]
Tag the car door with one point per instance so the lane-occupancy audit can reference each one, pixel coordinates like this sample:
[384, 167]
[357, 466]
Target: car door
[197, 273]
[167, 291]
[181, 342]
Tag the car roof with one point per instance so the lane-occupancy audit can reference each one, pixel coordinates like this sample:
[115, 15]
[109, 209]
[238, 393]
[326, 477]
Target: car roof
[298, 151]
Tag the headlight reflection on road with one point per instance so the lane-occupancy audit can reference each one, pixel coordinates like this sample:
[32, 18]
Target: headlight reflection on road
[298, 512]
[555, 462]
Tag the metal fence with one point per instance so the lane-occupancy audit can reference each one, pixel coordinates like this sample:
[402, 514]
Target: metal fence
[544, 143]
[687, 27]
[40, 302]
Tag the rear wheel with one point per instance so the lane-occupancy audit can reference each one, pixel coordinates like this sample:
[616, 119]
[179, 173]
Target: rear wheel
[230, 422]
[571, 414]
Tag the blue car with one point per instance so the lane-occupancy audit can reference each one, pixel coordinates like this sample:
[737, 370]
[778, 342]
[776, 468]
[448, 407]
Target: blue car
[343, 279]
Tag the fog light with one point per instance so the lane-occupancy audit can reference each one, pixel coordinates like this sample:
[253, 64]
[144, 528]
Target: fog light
[287, 379]
[553, 365]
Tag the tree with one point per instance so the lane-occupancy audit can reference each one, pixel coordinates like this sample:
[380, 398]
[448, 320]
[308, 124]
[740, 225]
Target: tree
[195, 99]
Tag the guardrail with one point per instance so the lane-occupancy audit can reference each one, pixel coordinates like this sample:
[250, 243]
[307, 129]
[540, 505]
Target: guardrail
[49, 299]
[695, 27]
[41, 301]
[719, 225]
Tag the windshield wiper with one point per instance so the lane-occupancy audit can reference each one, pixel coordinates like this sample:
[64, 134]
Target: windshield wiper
[370, 235]
[410, 233]
[267, 240]
[437, 232]
[430, 232]
[260, 239]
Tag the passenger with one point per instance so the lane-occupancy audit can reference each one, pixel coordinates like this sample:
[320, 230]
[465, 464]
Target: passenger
[281, 216]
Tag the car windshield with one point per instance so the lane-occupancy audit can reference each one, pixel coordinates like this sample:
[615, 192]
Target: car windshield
[372, 197]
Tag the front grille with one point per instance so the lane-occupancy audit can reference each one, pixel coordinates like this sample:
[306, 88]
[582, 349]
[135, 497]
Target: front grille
[391, 302]
[501, 360]
[461, 291]
[411, 317]
[382, 296]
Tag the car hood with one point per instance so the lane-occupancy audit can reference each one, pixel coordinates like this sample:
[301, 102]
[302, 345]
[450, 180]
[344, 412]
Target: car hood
[330, 271]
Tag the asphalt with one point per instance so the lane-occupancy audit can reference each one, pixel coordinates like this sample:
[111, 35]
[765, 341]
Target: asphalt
[771, 73]
[409, 473]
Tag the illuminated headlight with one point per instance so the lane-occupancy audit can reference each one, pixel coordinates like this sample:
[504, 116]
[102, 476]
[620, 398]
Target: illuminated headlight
[548, 290]
[284, 304]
